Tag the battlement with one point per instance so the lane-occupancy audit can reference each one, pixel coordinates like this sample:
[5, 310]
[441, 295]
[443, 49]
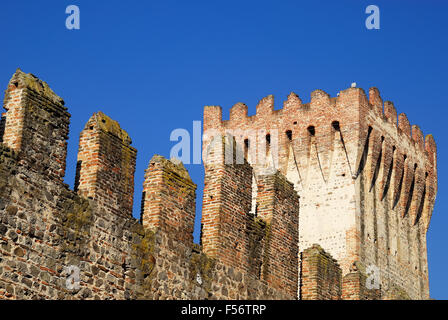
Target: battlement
[105, 124]
[321, 113]
[106, 165]
[321, 275]
[21, 81]
[36, 124]
[46, 230]
[358, 181]
[365, 176]
[173, 212]
[352, 114]
[357, 117]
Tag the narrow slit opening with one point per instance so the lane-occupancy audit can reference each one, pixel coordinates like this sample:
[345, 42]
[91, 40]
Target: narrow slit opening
[311, 130]
[336, 125]
[289, 135]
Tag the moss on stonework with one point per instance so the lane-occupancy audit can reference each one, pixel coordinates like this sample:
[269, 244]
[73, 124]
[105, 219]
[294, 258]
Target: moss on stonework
[173, 169]
[144, 252]
[202, 265]
[127, 165]
[77, 216]
[143, 258]
[396, 293]
[33, 83]
[110, 126]
[7, 153]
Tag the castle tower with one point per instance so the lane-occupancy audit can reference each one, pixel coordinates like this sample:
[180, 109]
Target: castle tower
[106, 165]
[367, 180]
[36, 125]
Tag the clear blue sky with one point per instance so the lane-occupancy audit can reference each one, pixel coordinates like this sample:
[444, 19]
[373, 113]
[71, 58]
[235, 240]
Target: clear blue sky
[153, 65]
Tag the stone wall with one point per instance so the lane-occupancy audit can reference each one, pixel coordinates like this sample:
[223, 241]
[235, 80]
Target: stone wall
[49, 232]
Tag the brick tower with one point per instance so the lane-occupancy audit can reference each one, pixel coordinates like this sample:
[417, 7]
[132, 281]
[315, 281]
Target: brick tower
[367, 180]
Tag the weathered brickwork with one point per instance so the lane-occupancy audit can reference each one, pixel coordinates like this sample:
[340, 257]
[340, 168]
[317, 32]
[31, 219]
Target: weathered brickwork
[366, 178]
[168, 189]
[106, 165]
[36, 124]
[278, 206]
[353, 189]
[320, 275]
[46, 229]
[225, 211]
[354, 288]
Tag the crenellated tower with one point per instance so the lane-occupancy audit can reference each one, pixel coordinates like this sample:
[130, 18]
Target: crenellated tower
[366, 178]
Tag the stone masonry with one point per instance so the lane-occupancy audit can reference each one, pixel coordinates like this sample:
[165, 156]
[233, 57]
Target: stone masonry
[352, 189]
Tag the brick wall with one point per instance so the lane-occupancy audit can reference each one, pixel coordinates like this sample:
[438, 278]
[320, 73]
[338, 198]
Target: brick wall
[367, 179]
[320, 275]
[226, 205]
[36, 124]
[106, 165]
[278, 206]
[169, 189]
[354, 288]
